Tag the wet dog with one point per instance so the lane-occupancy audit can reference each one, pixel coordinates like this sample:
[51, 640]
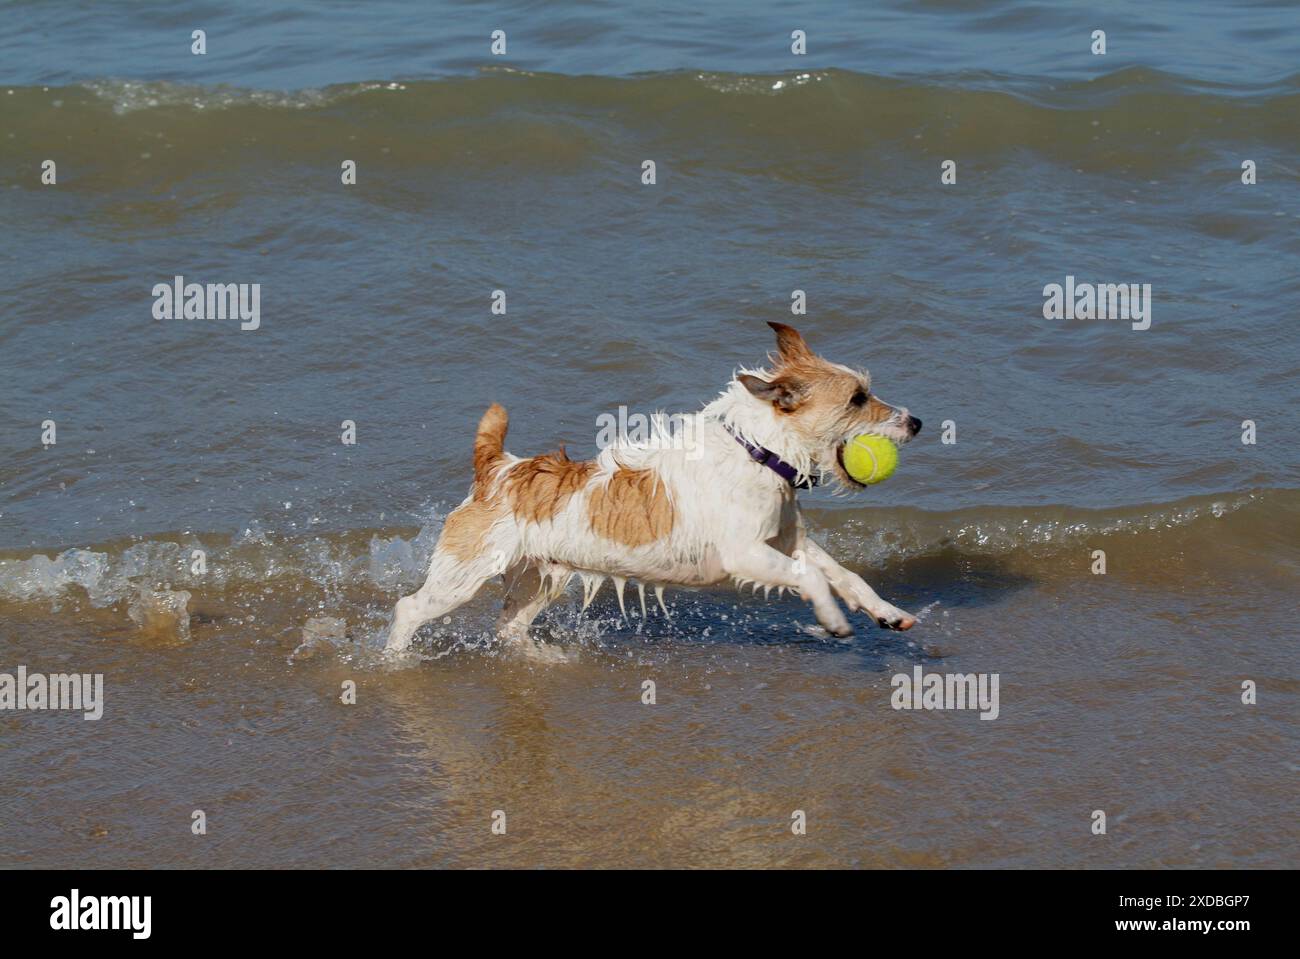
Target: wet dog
[710, 500]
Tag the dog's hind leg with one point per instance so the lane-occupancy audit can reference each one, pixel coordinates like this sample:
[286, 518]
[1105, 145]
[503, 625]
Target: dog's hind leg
[475, 545]
[527, 594]
[450, 584]
[529, 590]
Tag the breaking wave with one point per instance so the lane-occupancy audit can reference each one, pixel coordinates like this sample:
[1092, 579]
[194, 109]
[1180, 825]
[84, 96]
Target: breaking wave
[159, 584]
[820, 126]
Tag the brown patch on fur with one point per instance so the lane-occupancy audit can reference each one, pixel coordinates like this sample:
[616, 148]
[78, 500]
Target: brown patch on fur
[878, 412]
[790, 343]
[538, 488]
[814, 396]
[802, 378]
[813, 383]
[632, 508]
[466, 528]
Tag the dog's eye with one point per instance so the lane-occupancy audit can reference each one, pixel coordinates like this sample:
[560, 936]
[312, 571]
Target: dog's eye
[858, 399]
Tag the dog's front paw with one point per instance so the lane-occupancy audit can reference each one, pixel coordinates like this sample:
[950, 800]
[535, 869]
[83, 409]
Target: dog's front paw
[896, 619]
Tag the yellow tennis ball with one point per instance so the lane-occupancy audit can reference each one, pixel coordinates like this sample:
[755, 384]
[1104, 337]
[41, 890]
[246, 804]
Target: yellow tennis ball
[869, 458]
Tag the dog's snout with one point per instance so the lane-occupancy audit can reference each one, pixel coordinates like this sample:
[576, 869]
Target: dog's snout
[914, 425]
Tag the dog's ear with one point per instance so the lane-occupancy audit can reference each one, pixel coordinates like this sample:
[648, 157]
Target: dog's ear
[790, 343]
[783, 392]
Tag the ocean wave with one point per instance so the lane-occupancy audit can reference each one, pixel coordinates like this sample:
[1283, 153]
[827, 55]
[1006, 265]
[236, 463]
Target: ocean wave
[1219, 530]
[1242, 530]
[1134, 117]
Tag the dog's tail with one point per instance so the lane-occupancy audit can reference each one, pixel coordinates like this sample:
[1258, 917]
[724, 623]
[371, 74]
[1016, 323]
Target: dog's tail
[489, 442]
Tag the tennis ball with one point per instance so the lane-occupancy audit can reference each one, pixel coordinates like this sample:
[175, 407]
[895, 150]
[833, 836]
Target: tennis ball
[869, 458]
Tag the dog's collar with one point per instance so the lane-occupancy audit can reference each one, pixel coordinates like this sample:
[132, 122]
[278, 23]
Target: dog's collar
[780, 467]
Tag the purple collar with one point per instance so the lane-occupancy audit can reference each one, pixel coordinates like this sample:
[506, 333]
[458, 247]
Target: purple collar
[780, 467]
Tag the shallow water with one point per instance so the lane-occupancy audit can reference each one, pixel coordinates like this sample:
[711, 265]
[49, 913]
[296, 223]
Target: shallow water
[774, 173]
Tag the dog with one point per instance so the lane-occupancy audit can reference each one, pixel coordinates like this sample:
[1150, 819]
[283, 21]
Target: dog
[719, 508]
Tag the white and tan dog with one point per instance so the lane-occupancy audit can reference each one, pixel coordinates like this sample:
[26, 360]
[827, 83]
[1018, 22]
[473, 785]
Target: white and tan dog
[666, 513]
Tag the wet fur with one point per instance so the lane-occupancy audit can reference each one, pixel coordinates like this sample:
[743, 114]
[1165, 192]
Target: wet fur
[688, 508]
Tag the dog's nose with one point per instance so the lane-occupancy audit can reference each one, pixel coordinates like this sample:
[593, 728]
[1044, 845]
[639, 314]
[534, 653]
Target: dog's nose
[914, 425]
